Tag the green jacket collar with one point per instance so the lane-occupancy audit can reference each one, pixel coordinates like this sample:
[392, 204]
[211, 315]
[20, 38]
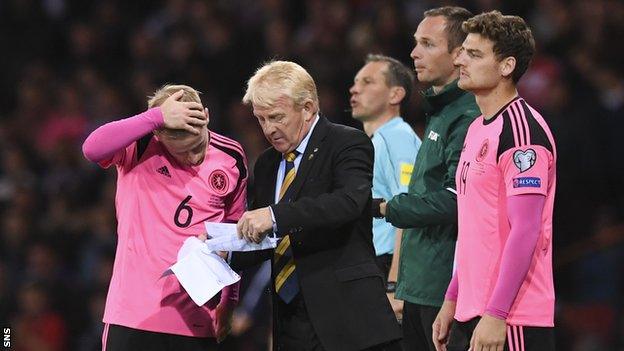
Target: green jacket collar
[432, 103]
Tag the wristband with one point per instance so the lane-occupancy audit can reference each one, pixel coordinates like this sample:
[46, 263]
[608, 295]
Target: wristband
[391, 287]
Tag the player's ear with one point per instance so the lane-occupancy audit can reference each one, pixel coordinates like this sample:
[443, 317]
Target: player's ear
[507, 66]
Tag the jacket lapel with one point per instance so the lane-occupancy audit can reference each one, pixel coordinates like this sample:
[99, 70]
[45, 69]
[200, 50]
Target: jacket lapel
[268, 177]
[310, 155]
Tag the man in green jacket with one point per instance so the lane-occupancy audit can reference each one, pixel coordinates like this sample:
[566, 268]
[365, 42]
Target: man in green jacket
[428, 212]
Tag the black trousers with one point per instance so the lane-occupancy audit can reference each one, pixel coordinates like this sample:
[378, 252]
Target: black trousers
[417, 330]
[119, 338]
[519, 338]
[294, 329]
[296, 333]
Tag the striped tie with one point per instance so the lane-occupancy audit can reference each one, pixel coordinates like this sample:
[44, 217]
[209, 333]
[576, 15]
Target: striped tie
[286, 283]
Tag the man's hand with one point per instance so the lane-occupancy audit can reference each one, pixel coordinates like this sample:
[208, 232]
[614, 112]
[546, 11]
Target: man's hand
[255, 225]
[442, 325]
[382, 208]
[397, 306]
[223, 321]
[189, 116]
[489, 334]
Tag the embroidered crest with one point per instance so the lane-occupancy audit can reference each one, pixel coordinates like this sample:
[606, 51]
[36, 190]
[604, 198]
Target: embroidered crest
[483, 150]
[524, 160]
[219, 181]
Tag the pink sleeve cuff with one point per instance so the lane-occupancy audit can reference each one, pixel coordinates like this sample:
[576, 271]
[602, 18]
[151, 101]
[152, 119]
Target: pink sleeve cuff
[451, 291]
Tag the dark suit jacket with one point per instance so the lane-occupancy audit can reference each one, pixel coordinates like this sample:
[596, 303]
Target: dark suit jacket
[330, 225]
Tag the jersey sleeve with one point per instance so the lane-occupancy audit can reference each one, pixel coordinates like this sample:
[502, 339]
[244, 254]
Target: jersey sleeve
[120, 157]
[525, 169]
[525, 153]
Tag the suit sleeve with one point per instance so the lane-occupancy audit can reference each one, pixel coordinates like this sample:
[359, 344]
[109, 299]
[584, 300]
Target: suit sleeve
[352, 174]
[435, 207]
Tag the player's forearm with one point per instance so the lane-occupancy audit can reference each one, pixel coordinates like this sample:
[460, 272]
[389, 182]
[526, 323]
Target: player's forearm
[525, 216]
[105, 141]
[412, 211]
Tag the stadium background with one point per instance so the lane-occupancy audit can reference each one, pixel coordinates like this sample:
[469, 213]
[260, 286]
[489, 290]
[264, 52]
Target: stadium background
[70, 65]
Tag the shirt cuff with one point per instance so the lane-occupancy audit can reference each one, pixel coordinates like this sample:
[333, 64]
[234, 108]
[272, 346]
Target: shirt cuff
[273, 218]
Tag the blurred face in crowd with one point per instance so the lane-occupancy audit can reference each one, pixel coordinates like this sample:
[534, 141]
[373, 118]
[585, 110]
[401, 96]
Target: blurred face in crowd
[285, 124]
[432, 60]
[479, 68]
[186, 148]
[371, 97]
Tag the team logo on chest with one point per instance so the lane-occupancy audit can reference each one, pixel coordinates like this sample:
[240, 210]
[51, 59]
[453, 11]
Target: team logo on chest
[483, 150]
[524, 159]
[219, 181]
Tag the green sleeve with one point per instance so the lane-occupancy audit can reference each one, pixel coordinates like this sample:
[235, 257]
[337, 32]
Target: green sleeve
[439, 206]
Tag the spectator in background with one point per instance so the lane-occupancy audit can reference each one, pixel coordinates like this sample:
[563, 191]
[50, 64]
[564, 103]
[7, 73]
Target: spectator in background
[381, 90]
[428, 211]
[37, 327]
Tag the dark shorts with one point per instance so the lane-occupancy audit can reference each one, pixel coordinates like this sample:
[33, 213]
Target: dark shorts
[519, 338]
[119, 338]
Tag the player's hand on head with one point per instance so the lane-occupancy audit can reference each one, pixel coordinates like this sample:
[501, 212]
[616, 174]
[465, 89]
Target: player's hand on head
[189, 116]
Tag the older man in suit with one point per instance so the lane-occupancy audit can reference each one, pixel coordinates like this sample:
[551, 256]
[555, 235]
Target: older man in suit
[313, 190]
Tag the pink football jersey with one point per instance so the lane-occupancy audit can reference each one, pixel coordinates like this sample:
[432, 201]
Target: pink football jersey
[510, 154]
[159, 204]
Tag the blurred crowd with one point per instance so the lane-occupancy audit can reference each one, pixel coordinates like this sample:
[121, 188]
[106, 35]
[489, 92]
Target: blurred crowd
[72, 65]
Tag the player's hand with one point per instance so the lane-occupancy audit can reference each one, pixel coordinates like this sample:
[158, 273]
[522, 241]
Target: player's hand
[255, 225]
[489, 334]
[189, 116]
[222, 254]
[442, 325]
[397, 306]
[223, 321]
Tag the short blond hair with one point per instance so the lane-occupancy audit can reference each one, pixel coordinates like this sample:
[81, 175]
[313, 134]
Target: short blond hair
[160, 95]
[277, 79]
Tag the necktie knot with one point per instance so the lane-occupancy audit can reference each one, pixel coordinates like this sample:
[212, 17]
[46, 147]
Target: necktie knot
[291, 156]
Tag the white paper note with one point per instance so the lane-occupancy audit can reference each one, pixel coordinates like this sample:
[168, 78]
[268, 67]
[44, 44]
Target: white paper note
[223, 237]
[202, 273]
[215, 229]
